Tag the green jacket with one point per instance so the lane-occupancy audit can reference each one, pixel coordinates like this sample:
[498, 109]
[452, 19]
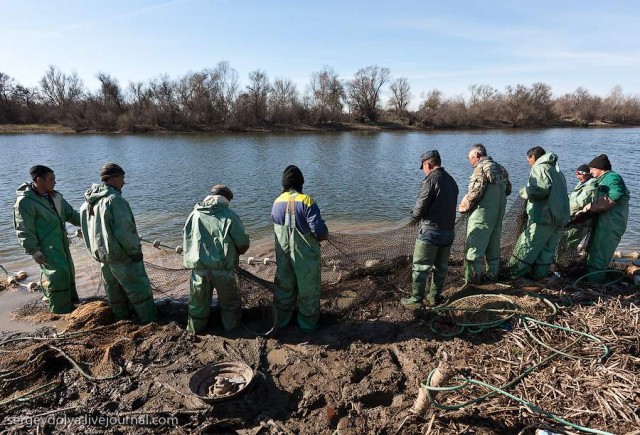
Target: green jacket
[614, 220]
[582, 195]
[38, 226]
[108, 226]
[546, 193]
[213, 236]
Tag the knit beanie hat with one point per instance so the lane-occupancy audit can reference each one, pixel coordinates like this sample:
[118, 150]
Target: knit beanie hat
[110, 170]
[292, 178]
[583, 169]
[601, 162]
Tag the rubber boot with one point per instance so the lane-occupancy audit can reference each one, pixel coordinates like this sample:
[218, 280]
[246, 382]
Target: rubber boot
[433, 298]
[474, 271]
[417, 294]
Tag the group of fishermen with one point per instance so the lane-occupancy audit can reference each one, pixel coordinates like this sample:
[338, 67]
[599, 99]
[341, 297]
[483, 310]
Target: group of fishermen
[214, 236]
[600, 202]
[213, 239]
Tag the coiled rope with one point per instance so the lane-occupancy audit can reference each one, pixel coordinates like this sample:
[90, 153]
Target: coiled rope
[512, 311]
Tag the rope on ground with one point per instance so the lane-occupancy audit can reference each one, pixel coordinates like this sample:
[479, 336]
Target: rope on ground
[512, 311]
[30, 395]
[81, 371]
[47, 341]
[586, 275]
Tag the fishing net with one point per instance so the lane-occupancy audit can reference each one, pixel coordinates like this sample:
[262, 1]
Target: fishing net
[345, 258]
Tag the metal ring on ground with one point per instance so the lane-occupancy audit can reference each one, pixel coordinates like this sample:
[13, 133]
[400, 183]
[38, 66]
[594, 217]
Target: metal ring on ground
[502, 314]
[221, 381]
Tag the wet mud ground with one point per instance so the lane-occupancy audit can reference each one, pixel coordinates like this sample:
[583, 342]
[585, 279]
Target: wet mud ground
[359, 373]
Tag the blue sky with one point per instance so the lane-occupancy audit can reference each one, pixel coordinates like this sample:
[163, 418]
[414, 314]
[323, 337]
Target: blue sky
[446, 44]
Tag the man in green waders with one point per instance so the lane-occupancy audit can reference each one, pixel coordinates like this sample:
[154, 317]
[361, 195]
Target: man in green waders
[611, 211]
[111, 238]
[485, 202]
[298, 228]
[435, 211]
[213, 239]
[547, 215]
[581, 195]
[39, 217]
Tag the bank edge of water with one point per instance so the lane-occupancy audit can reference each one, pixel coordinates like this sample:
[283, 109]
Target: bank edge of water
[302, 128]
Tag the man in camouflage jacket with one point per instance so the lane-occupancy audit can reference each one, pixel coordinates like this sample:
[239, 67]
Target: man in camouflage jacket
[485, 202]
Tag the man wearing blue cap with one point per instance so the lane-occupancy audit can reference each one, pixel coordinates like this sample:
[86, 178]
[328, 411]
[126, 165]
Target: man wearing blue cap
[435, 210]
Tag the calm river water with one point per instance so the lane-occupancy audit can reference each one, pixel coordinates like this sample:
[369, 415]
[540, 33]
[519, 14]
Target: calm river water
[360, 180]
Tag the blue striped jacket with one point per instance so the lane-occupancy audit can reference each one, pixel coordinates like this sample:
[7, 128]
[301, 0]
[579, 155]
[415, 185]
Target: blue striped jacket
[307, 214]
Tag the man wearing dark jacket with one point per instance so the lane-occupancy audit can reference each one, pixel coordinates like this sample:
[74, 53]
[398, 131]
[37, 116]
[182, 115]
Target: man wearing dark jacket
[435, 210]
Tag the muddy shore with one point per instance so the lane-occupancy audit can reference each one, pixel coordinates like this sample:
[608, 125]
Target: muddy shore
[359, 373]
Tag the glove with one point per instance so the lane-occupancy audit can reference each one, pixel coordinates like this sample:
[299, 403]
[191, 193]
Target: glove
[137, 258]
[38, 257]
[523, 193]
[580, 217]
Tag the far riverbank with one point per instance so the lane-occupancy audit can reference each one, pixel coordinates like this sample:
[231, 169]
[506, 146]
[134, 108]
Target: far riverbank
[279, 128]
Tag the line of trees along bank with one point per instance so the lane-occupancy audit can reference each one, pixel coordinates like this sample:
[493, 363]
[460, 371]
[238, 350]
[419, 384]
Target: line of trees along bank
[214, 99]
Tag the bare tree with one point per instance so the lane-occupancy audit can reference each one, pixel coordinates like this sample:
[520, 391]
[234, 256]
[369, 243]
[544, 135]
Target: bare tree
[364, 91]
[483, 105]
[400, 96]
[587, 105]
[194, 96]
[61, 90]
[257, 92]
[165, 97]
[29, 100]
[327, 95]
[7, 89]
[111, 94]
[223, 86]
[142, 110]
[283, 101]
[580, 106]
[517, 105]
[620, 108]
[429, 109]
[140, 96]
[541, 104]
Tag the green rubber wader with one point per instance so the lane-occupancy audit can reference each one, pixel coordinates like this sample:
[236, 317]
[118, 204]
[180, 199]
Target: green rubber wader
[128, 290]
[297, 280]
